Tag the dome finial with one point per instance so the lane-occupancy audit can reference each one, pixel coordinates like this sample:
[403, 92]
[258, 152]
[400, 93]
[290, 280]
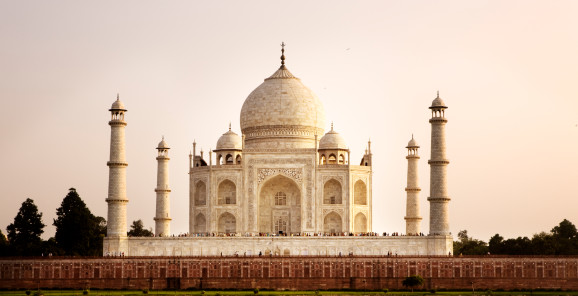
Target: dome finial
[229, 126]
[282, 55]
[117, 96]
[438, 95]
[332, 125]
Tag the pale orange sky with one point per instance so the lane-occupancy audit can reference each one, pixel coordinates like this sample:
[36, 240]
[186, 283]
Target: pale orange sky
[508, 70]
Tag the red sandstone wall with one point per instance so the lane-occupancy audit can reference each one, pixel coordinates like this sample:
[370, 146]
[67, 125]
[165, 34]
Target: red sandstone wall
[309, 273]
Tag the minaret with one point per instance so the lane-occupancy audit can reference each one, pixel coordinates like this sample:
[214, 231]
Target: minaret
[439, 199]
[162, 219]
[117, 200]
[412, 212]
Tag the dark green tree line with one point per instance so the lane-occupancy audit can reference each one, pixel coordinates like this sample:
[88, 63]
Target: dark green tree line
[561, 240]
[78, 231]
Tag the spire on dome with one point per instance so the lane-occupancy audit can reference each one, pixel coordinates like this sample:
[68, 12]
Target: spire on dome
[282, 56]
[229, 126]
[332, 125]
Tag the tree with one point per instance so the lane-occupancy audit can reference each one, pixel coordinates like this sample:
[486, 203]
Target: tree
[412, 281]
[496, 244]
[469, 246]
[566, 237]
[78, 231]
[24, 233]
[3, 245]
[137, 229]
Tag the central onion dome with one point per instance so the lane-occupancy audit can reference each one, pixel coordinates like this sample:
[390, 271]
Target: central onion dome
[282, 113]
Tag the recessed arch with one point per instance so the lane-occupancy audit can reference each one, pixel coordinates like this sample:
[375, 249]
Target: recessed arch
[332, 192]
[360, 223]
[332, 223]
[229, 159]
[332, 159]
[200, 223]
[227, 223]
[238, 160]
[227, 193]
[360, 193]
[279, 206]
[200, 194]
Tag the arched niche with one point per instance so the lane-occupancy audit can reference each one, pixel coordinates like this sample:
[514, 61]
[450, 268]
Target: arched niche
[332, 223]
[200, 223]
[279, 206]
[200, 194]
[360, 193]
[360, 223]
[227, 193]
[227, 223]
[332, 192]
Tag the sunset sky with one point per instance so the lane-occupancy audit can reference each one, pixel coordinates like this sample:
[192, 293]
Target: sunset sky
[507, 70]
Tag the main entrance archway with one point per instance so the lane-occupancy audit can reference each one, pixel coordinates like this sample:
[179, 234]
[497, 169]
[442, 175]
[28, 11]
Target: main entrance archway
[280, 206]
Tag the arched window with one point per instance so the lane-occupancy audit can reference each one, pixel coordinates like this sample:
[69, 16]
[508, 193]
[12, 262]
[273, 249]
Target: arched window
[219, 159]
[238, 159]
[332, 159]
[281, 225]
[229, 159]
[341, 159]
[322, 159]
[280, 199]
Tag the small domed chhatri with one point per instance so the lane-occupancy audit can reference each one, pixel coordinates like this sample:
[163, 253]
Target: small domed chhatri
[412, 143]
[229, 141]
[117, 105]
[332, 140]
[163, 144]
[438, 102]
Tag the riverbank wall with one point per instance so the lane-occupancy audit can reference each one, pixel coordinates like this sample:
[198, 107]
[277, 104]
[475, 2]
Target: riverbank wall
[291, 272]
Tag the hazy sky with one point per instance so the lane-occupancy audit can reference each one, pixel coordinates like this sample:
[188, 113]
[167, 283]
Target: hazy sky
[508, 70]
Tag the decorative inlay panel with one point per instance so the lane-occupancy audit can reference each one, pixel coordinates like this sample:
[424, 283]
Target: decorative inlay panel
[295, 174]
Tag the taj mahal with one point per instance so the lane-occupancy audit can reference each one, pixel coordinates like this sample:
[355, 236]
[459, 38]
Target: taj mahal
[282, 187]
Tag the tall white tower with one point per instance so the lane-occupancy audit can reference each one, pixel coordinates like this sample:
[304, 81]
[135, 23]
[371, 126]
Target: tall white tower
[162, 219]
[117, 200]
[412, 212]
[439, 199]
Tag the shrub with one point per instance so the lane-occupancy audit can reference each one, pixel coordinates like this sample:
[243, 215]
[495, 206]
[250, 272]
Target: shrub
[256, 291]
[85, 292]
[433, 291]
[203, 292]
[28, 292]
[384, 291]
[145, 291]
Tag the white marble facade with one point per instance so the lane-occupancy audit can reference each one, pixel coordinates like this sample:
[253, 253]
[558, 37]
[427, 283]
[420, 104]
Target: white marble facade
[283, 187]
